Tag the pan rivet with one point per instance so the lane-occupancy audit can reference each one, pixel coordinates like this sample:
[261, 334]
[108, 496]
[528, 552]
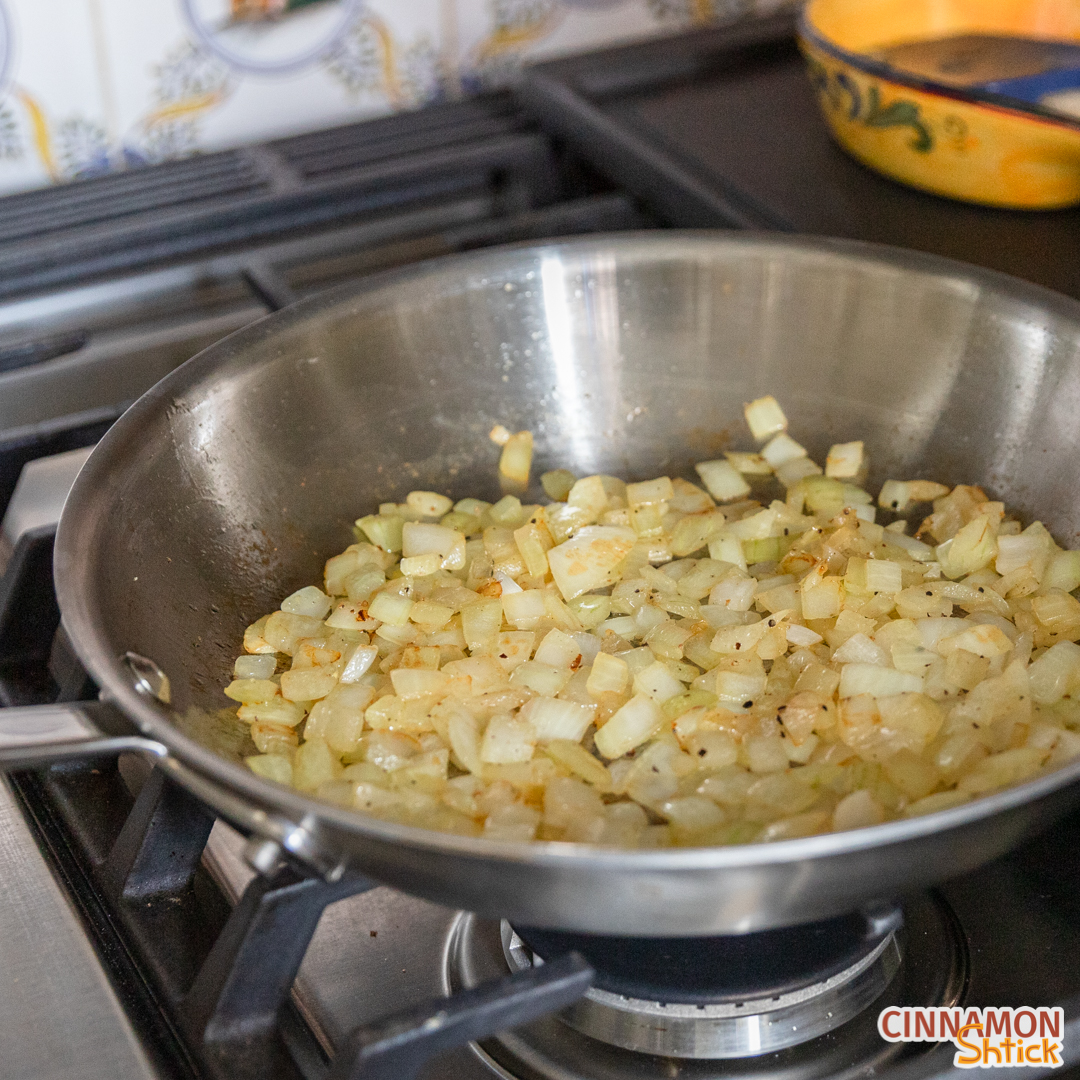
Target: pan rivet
[148, 678]
[262, 855]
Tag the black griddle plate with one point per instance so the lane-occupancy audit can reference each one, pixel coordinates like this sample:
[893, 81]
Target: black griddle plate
[721, 128]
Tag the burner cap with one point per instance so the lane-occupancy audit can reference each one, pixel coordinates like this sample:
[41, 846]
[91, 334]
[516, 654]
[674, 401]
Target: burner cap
[726, 968]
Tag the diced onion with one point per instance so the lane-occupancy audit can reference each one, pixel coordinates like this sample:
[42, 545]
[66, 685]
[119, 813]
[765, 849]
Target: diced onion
[765, 417]
[781, 449]
[723, 481]
[554, 719]
[748, 463]
[876, 680]
[310, 601]
[638, 720]
[632, 664]
[845, 460]
[516, 459]
[588, 559]
[254, 667]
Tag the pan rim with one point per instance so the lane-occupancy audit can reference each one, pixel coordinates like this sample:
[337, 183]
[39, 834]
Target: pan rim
[74, 588]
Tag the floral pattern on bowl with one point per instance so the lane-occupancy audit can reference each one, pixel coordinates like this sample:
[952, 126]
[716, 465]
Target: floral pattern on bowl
[961, 143]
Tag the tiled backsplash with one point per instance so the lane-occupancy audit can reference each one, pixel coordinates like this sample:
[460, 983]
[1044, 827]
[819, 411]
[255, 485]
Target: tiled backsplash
[93, 85]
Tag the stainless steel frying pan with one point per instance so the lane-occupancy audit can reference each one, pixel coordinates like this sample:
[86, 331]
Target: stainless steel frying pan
[227, 485]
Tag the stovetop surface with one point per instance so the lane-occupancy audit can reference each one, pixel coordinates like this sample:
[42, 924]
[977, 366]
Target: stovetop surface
[736, 119]
[1007, 933]
[1016, 921]
[761, 129]
[59, 1016]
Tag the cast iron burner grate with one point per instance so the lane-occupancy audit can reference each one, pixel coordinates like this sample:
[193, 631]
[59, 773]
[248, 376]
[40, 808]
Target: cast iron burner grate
[212, 985]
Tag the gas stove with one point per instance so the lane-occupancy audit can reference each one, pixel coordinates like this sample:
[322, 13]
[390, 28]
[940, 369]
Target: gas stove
[137, 940]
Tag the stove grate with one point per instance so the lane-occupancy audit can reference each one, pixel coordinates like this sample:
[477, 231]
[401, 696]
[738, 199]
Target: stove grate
[215, 982]
[154, 214]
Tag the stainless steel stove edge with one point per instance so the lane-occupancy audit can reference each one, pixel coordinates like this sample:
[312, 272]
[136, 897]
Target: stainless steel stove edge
[60, 1018]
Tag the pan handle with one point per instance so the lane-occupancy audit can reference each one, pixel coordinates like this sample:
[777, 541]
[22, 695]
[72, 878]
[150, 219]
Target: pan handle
[38, 735]
[41, 735]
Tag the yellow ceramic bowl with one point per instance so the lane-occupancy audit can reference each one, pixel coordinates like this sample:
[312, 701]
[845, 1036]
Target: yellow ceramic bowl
[944, 139]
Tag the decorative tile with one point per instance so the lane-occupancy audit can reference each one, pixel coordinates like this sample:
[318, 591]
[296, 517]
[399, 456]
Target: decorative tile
[92, 85]
[54, 122]
[498, 36]
[205, 74]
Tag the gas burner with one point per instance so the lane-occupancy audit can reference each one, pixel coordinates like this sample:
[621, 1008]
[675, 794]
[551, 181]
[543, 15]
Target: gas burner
[726, 1029]
[827, 1028]
[725, 968]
